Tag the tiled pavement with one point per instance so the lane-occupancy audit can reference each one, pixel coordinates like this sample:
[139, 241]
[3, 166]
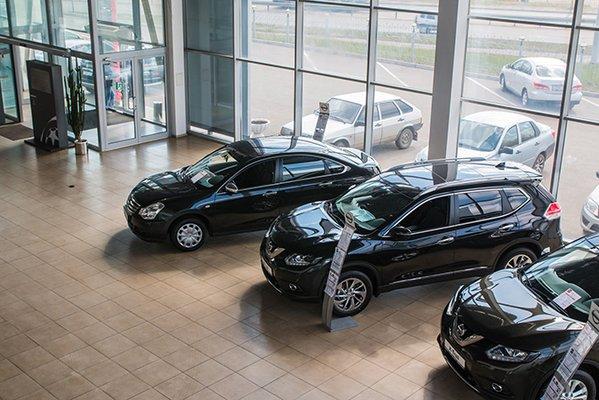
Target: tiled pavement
[89, 312]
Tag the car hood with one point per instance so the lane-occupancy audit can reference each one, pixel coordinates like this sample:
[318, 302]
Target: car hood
[462, 153]
[305, 227]
[595, 195]
[500, 308]
[163, 186]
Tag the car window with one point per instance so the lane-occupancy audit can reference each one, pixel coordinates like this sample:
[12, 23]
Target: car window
[511, 137]
[362, 118]
[432, 214]
[212, 169]
[515, 197]
[405, 108]
[260, 174]
[388, 110]
[527, 131]
[517, 65]
[475, 206]
[526, 68]
[302, 167]
[334, 167]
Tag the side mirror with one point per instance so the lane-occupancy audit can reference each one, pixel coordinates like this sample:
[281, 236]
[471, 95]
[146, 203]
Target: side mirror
[400, 232]
[506, 150]
[360, 123]
[231, 187]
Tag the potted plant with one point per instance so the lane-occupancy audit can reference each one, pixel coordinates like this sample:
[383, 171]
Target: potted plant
[75, 95]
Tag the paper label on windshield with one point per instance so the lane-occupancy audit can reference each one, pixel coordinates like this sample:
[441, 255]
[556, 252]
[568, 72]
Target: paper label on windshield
[199, 176]
[566, 299]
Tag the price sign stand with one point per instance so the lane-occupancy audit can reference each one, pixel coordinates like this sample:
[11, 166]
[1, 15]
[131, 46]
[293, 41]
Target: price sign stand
[574, 357]
[321, 124]
[338, 324]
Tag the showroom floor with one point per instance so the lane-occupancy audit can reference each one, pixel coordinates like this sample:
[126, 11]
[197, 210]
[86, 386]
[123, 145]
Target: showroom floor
[88, 311]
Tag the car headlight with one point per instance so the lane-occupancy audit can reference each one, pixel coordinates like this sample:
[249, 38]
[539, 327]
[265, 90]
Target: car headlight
[151, 211]
[507, 354]
[301, 260]
[593, 207]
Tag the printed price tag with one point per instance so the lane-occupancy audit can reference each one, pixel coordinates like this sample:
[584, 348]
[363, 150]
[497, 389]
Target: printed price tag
[566, 299]
[200, 175]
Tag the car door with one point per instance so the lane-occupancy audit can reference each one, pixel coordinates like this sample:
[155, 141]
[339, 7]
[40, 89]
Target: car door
[509, 145]
[391, 121]
[483, 229]
[427, 251]
[530, 145]
[255, 204]
[377, 125]
[525, 77]
[511, 75]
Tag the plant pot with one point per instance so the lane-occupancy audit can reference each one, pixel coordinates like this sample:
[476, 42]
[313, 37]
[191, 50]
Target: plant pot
[81, 147]
[258, 126]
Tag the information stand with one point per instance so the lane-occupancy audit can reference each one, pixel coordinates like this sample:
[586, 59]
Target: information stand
[321, 124]
[574, 357]
[338, 324]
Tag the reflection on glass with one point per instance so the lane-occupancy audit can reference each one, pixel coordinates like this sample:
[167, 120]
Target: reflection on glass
[210, 92]
[152, 102]
[412, 5]
[4, 27]
[406, 49]
[335, 39]
[345, 127]
[29, 20]
[516, 65]
[400, 126]
[267, 100]
[578, 191]
[7, 80]
[70, 24]
[559, 12]
[269, 31]
[119, 99]
[209, 25]
[585, 87]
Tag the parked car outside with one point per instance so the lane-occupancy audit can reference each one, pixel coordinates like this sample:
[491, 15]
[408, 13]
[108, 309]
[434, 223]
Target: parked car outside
[504, 136]
[395, 120]
[538, 79]
[505, 334]
[426, 23]
[590, 212]
[241, 187]
[416, 224]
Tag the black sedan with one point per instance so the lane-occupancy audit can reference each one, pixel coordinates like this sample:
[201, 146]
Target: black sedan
[505, 334]
[241, 187]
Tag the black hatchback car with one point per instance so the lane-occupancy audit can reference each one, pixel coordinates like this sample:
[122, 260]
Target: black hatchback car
[416, 224]
[241, 187]
[505, 334]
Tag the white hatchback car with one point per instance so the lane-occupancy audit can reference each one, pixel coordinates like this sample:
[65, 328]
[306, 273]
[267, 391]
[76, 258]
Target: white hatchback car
[538, 79]
[503, 136]
[395, 120]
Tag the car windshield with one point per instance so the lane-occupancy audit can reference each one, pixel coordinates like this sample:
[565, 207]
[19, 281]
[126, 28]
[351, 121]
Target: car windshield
[478, 136]
[551, 71]
[375, 202]
[344, 111]
[212, 169]
[575, 268]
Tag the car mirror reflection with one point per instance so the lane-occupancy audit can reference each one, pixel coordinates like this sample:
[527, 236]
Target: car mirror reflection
[231, 187]
[400, 232]
[506, 150]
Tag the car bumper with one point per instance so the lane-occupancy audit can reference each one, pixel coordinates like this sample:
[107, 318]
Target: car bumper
[589, 222]
[151, 231]
[540, 95]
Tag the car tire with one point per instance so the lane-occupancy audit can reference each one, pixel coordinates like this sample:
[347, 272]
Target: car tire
[516, 258]
[581, 380]
[188, 234]
[404, 139]
[524, 100]
[359, 287]
[539, 163]
[502, 82]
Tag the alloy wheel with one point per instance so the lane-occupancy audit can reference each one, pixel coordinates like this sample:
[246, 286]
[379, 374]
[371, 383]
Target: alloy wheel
[405, 138]
[525, 98]
[189, 235]
[576, 390]
[350, 294]
[517, 261]
[539, 164]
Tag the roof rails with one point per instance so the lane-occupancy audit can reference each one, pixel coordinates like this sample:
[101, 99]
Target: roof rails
[436, 161]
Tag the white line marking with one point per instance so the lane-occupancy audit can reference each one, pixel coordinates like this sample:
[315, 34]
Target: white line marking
[492, 92]
[590, 102]
[392, 74]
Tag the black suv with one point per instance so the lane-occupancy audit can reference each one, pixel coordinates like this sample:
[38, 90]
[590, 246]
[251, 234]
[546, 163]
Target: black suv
[241, 187]
[417, 223]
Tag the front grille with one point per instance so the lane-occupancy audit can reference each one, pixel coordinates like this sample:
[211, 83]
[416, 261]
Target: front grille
[462, 335]
[272, 250]
[132, 206]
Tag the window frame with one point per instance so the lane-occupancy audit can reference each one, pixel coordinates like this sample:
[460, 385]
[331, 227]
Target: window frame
[505, 134]
[428, 200]
[532, 126]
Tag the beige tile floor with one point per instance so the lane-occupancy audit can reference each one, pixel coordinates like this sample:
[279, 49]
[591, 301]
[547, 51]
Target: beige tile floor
[89, 312]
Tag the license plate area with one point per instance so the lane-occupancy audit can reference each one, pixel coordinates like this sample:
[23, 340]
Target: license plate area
[453, 353]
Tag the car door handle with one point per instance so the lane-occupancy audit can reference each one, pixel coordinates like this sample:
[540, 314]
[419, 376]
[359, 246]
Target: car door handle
[325, 184]
[378, 124]
[401, 119]
[445, 241]
[503, 229]
[537, 143]
[270, 194]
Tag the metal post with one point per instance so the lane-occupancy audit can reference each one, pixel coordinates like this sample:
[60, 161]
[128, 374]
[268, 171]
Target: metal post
[521, 47]
[287, 27]
[253, 21]
[370, 76]
[413, 43]
[98, 73]
[298, 64]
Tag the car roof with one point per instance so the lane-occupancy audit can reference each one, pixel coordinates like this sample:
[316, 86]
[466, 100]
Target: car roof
[432, 176]
[545, 61]
[246, 151]
[360, 97]
[502, 119]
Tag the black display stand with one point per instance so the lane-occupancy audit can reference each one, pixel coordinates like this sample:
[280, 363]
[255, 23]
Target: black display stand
[47, 106]
[321, 124]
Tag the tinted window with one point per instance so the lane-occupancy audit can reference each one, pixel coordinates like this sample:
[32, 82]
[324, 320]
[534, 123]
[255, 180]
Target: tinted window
[515, 197]
[301, 167]
[479, 205]
[431, 215]
[388, 110]
[259, 174]
[511, 137]
[527, 131]
[405, 108]
[334, 167]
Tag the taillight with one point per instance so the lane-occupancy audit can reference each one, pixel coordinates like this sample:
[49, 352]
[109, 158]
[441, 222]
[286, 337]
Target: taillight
[577, 88]
[540, 86]
[554, 211]
[553, 133]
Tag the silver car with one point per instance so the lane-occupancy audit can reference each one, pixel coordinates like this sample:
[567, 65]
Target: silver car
[538, 79]
[590, 212]
[504, 136]
[395, 120]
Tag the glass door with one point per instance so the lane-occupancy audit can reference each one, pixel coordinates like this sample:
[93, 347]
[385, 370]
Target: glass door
[152, 99]
[119, 99]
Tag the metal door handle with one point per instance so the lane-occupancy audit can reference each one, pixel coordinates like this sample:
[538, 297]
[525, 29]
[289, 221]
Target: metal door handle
[506, 227]
[537, 143]
[401, 119]
[378, 124]
[270, 194]
[325, 184]
[446, 240]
